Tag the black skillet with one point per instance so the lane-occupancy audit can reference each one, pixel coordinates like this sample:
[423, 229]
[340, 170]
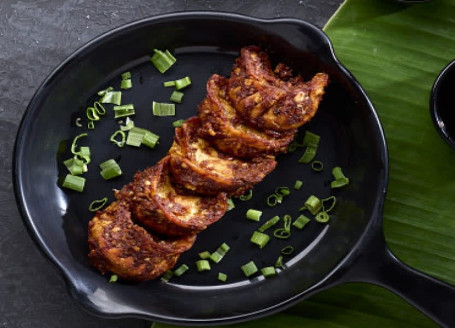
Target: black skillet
[349, 248]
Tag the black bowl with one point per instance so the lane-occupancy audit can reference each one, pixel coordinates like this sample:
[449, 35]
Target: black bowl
[442, 104]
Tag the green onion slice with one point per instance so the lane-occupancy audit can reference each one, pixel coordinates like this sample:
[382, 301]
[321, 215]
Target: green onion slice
[203, 265]
[288, 250]
[204, 255]
[322, 217]
[254, 215]
[178, 123]
[103, 92]
[167, 276]
[75, 166]
[113, 278]
[78, 122]
[126, 84]
[331, 200]
[162, 60]
[181, 270]
[247, 195]
[340, 179]
[317, 166]
[279, 262]
[282, 233]
[292, 147]
[298, 185]
[182, 83]
[123, 110]
[129, 124]
[99, 108]
[163, 109]
[260, 239]
[287, 222]
[112, 97]
[222, 276]
[270, 223]
[126, 76]
[309, 154]
[169, 84]
[284, 191]
[91, 125]
[231, 204]
[249, 269]
[301, 222]
[313, 204]
[135, 136]
[110, 169]
[74, 143]
[176, 97]
[74, 182]
[221, 251]
[310, 138]
[274, 200]
[122, 141]
[97, 204]
[268, 271]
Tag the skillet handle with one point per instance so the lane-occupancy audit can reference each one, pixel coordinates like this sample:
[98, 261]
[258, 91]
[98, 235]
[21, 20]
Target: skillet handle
[376, 264]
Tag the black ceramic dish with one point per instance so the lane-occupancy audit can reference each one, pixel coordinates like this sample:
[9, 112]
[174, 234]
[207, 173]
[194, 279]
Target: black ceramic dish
[442, 105]
[349, 248]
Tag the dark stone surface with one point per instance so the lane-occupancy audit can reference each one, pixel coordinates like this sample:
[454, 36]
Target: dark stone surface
[35, 36]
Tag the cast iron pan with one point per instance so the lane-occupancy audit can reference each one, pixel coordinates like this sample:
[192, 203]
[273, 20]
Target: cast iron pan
[349, 248]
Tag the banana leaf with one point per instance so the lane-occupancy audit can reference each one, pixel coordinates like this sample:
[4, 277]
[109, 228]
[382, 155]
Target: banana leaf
[395, 51]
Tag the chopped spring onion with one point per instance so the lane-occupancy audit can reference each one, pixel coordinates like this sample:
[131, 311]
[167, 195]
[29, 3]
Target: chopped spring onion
[288, 250]
[97, 204]
[113, 278]
[178, 123]
[203, 265]
[126, 84]
[260, 239]
[129, 124]
[138, 136]
[126, 76]
[254, 215]
[332, 200]
[84, 154]
[78, 122]
[167, 276]
[122, 141]
[222, 276]
[298, 185]
[301, 222]
[279, 262]
[204, 255]
[340, 179]
[313, 204]
[182, 83]
[247, 196]
[285, 232]
[91, 125]
[181, 270]
[100, 110]
[126, 81]
[292, 147]
[112, 97]
[74, 182]
[231, 204]
[110, 169]
[309, 154]
[249, 269]
[176, 97]
[322, 217]
[317, 166]
[284, 191]
[274, 200]
[103, 92]
[268, 271]
[91, 113]
[221, 251]
[310, 138]
[162, 60]
[270, 223]
[163, 109]
[135, 136]
[75, 166]
[123, 110]
[74, 143]
[169, 84]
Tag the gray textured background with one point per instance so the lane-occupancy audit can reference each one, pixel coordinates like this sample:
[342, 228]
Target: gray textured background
[35, 36]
